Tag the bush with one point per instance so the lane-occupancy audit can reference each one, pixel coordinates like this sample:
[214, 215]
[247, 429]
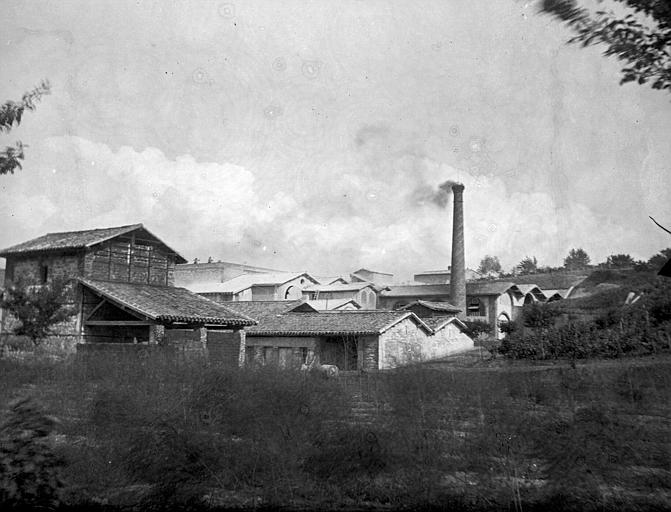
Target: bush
[30, 472]
[476, 328]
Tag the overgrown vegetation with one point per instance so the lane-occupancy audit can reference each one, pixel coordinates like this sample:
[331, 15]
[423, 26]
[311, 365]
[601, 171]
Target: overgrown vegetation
[162, 433]
[611, 323]
[37, 309]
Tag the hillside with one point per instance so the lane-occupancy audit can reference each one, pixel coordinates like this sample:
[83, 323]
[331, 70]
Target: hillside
[604, 289]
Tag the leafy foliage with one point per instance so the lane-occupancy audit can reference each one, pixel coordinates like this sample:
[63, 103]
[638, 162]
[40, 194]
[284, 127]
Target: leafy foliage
[640, 328]
[489, 264]
[528, 265]
[29, 469]
[658, 260]
[11, 113]
[619, 260]
[37, 308]
[538, 316]
[577, 259]
[477, 327]
[641, 38]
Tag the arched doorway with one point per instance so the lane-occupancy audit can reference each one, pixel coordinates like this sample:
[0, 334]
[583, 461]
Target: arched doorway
[502, 322]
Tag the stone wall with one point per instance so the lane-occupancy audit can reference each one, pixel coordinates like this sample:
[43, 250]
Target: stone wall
[447, 341]
[368, 353]
[186, 342]
[401, 345]
[29, 268]
[226, 347]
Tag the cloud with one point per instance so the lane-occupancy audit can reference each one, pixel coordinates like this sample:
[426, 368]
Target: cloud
[362, 219]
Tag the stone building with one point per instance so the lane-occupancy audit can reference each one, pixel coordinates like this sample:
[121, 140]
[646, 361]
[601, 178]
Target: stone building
[121, 285]
[187, 274]
[372, 276]
[492, 302]
[256, 287]
[363, 292]
[443, 276]
[351, 340]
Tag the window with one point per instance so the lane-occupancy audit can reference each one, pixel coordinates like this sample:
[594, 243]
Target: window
[475, 307]
[44, 273]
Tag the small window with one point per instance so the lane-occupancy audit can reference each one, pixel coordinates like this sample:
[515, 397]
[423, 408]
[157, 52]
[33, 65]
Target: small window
[475, 307]
[44, 273]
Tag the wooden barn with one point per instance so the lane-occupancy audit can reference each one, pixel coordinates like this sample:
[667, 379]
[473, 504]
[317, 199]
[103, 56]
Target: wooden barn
[121, 284]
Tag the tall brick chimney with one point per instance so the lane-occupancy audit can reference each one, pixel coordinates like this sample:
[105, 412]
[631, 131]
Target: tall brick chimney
[458, 271]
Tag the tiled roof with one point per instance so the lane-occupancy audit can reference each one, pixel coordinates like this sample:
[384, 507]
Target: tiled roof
[167, 303]
[259, 309]
[434, 306]
[332, 323]
[245, 281]
[77, 240]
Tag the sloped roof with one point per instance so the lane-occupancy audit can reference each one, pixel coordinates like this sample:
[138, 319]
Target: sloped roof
[332, 323]
[440, 322]
[258, 309]
[329, 304]
[533, 290]
[491, 288]
[417, 290]
[432, 290]
[167, 303]
[434, 306]
[338, 287]
[372, 272]
[244, 281]
[550, 280]
[73, 240]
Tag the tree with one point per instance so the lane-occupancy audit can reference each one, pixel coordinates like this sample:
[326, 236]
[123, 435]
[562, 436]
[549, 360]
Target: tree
[619, 261]
[489, 264]
[576, 259]
[528, 265]
[658, 260]
[38, 309]
[11, 113]
[641, 38]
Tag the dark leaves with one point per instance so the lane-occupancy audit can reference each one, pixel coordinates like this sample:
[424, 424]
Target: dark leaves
[642, 41]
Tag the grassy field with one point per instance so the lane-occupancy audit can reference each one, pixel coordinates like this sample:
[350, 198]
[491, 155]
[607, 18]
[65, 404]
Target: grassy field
[156, 434]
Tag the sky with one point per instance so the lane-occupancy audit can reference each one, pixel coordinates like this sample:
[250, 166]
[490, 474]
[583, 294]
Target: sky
[314, 135]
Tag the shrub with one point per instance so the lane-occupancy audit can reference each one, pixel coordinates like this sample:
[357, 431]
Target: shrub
[29, 469]
[477, 328]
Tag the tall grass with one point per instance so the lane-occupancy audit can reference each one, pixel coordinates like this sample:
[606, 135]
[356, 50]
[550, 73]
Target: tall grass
[162, 433]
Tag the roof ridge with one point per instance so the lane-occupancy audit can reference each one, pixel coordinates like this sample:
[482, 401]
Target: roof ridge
[138, 225]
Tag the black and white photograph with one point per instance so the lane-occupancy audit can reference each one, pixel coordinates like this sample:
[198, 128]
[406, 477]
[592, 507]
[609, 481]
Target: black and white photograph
[335, 255]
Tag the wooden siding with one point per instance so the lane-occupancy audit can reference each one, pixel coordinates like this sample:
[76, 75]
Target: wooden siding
[130, 261]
